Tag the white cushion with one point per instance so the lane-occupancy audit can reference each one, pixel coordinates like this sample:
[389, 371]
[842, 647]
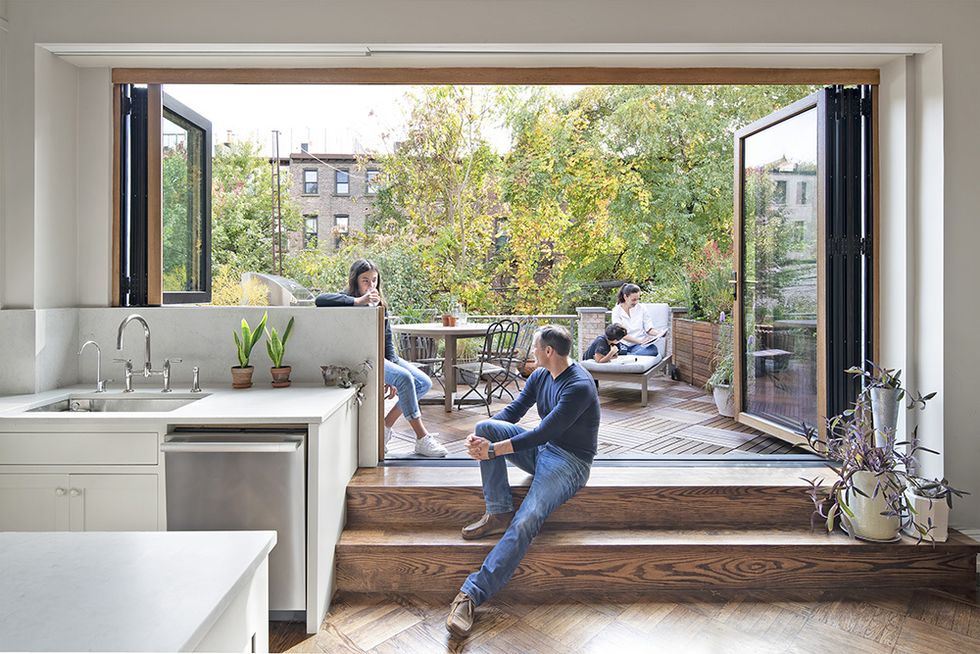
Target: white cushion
[625, 363]
[660, 315]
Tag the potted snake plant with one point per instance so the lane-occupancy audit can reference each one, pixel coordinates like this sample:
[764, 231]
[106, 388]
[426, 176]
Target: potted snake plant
[241, 375]
[276, 347]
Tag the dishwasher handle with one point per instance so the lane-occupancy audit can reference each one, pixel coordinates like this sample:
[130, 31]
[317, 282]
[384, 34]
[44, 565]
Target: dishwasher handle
[231, 447]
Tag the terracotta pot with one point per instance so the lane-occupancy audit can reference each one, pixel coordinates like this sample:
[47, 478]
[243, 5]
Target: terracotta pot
[280, 376]
[448, 320]
[241, 377]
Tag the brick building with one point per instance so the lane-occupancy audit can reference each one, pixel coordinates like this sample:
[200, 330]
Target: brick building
[334, 193]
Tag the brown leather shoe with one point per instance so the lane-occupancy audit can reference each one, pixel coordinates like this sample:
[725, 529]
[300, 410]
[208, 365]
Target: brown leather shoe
[460, 620]
[489, 525]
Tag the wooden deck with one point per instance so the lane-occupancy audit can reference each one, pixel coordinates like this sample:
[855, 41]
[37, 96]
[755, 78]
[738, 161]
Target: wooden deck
[681, 421]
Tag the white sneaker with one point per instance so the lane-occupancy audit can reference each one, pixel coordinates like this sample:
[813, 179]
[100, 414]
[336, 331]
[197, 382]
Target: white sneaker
[388, 433]
[429, 446]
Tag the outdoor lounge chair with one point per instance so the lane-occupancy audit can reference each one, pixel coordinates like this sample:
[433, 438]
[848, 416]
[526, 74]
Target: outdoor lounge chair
[639, 369]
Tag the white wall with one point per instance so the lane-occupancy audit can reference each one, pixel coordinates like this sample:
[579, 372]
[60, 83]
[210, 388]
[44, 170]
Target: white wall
[94, 163]
[941, 350]
[56, 173]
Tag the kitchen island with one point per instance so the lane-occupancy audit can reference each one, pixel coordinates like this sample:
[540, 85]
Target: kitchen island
[135, 591]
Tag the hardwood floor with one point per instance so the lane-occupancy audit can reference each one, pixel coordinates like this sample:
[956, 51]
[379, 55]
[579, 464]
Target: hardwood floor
[787, 622]
[680, 421]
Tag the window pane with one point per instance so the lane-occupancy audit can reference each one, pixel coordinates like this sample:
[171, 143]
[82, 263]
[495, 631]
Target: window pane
[343, 182]
[780, 268]
[311, 232]
[183, 204]
[372, 184]
[310, 185]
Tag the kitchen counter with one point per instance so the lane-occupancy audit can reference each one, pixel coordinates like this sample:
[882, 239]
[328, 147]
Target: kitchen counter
[126, 591]
[299, 403]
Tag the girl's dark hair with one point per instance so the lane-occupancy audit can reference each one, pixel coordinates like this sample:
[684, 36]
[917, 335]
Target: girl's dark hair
[357, 269]
[615, 332]
[624, 290]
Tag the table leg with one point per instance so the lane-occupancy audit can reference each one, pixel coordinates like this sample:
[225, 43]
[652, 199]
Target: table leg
[449, 372]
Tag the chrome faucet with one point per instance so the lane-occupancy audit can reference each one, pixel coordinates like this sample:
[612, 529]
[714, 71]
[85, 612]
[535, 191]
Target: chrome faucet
[166, 373]
[100, 384]
[147, 366]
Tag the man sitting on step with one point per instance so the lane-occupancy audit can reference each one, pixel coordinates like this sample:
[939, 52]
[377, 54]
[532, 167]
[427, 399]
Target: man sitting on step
[558, 452]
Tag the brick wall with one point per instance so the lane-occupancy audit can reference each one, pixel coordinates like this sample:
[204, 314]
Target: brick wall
[591, 323]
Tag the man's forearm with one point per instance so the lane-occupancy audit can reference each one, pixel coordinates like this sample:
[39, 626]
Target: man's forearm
[503, 447]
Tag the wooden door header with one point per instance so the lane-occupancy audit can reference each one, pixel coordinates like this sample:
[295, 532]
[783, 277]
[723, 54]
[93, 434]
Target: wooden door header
[552, 75]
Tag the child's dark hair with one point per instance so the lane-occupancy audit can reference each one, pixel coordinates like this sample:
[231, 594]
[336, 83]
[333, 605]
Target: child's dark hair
[615, 332]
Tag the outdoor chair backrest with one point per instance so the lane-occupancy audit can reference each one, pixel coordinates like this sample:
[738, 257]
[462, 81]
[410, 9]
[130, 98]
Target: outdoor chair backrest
[500, 344]
[412, 347]
[660, 315]
[525, 339]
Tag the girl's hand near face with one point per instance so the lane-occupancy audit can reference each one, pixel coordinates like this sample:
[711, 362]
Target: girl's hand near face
[371, 298]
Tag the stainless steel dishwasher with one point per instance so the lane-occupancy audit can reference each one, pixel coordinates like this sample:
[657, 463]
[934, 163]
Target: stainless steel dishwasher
[249, 478]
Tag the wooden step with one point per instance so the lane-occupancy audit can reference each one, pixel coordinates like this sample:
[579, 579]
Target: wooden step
[615, 497]
[640, 560]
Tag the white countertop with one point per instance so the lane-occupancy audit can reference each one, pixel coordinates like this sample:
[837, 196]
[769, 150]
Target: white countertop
[299, 403]
[122, 591]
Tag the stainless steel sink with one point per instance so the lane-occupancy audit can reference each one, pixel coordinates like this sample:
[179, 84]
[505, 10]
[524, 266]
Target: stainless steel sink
[120, 404]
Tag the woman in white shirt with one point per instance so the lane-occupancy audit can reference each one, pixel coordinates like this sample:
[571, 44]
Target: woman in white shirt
[640, 332]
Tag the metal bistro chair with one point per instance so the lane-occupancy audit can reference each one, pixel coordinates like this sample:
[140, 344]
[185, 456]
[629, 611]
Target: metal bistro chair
[522, 352]
[422, 351]
[491, 366]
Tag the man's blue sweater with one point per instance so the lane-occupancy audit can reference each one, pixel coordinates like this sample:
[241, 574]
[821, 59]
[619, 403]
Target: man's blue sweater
[569, 409]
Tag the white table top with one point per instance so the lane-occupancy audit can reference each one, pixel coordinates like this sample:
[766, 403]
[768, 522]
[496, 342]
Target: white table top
[121, 591]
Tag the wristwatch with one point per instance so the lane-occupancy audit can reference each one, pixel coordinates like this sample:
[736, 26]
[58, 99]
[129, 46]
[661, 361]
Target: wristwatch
[490, 453]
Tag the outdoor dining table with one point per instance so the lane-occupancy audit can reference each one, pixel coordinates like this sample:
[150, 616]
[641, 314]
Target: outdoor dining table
[450, 335]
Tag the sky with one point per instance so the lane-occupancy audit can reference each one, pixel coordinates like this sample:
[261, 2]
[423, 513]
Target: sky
[353, 119]
[346, 119]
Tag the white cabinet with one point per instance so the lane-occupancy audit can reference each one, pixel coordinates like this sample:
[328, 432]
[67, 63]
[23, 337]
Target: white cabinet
[33, 502]
[78, 502]
[80, 481]
[113, 502]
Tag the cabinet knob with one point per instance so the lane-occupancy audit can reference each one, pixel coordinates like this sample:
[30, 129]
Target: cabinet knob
[74, 492]
[59, 491]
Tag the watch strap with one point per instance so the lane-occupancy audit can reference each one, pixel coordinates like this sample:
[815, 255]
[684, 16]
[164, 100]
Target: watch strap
[491, 454]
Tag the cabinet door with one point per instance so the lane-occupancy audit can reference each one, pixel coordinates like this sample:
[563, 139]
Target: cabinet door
[113, 502]
[33, 502]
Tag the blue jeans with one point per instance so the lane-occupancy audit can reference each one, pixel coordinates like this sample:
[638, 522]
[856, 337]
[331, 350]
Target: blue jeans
[638, 350]
[411, 384]
[558, 474]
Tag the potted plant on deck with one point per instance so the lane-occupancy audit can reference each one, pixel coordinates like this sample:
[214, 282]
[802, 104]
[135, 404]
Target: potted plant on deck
[870, 496]
[241, 375]
[276, 347]
[719, 384]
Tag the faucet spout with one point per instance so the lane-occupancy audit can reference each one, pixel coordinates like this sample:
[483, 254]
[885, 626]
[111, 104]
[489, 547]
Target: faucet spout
[147, 366]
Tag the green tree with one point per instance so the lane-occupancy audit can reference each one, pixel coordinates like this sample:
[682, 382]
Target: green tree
[439, 190]
[241, 209]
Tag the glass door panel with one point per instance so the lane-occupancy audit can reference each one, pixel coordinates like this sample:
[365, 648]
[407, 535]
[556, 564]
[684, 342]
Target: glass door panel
[778, 358]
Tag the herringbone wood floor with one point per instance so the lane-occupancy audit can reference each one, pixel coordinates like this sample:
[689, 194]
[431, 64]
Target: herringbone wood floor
[903, 622]
[680, 420]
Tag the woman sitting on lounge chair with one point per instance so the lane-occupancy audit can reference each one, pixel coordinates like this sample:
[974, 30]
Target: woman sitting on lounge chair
[640, 332]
